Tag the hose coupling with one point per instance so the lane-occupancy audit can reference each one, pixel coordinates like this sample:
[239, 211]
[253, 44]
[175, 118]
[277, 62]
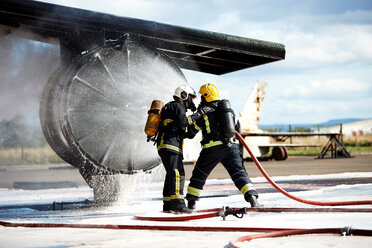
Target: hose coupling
[237, 212]
[347, 230]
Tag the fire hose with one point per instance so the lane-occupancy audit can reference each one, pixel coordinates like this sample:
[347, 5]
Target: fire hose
[259, 166]
[345, 231]
[239, 212]
[281, 233]
[143, 227]
[270, 232]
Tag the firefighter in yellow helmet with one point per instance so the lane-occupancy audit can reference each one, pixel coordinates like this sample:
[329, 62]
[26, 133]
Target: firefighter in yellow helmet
[217, 148]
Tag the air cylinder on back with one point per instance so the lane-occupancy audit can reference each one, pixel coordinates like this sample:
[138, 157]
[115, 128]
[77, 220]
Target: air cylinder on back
[226, 119]
[153, 119]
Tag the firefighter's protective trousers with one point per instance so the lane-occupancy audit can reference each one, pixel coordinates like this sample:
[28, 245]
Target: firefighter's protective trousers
[231, 159]
[174, 179]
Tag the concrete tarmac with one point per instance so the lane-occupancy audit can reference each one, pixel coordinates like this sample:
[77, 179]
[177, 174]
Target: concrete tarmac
[298, 165]
[64, 175]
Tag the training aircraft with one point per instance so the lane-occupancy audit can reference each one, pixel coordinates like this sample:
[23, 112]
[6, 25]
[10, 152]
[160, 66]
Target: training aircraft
[261, 141]
[249, 119]
[94, 107]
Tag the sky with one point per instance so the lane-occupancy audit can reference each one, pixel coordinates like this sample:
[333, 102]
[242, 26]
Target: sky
[326, 72]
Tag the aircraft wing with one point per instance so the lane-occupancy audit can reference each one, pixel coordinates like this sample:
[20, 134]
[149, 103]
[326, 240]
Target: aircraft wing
[191, 49]
[281, 136]
[287, 134]
[285, 145]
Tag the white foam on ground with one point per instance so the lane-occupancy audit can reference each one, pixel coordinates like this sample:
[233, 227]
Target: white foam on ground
[123, 214]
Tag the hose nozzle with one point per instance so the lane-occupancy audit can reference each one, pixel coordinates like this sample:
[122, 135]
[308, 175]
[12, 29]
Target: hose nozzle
[347, 231]
[237, 212]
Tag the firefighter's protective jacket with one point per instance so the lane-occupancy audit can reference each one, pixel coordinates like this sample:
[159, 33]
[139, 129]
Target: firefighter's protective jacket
[209, 125]
[173, 125]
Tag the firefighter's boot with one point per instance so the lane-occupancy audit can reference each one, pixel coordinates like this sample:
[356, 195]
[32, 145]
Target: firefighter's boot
[166, 206]
[191, 204]
[252, 199]
[179, 207]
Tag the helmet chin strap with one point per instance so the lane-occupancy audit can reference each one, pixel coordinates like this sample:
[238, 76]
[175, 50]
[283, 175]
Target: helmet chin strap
[182, 101]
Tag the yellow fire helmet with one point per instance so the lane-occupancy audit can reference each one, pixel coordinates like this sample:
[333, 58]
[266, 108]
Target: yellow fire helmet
[210, 92]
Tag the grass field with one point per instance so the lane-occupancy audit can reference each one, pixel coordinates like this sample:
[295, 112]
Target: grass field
[354, 145]
[43, 155]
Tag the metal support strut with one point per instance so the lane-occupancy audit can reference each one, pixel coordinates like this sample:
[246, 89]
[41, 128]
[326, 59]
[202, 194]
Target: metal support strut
[336, 147]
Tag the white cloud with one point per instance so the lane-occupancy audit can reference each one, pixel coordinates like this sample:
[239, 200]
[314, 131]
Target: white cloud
[328, 89]
[172, 12]
[311, 41]
[144, 9]
[330, 46]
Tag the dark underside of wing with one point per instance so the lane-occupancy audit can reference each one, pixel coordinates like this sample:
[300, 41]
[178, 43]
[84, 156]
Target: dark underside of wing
[192, 49]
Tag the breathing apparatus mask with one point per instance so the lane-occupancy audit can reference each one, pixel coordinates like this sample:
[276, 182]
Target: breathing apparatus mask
[190, 103]
[187, 95]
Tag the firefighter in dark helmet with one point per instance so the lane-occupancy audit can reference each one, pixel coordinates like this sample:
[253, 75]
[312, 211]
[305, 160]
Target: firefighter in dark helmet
[172, 130]
[217, 148]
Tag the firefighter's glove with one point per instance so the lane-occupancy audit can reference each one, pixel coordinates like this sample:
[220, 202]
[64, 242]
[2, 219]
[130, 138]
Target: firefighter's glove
[193, 107]
[189, 135]
[205, 110]
[201, 111]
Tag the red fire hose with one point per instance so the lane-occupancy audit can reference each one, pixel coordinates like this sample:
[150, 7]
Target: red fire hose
[282, 233]
[347, 231]
[145, 227]
[259, 166]
[182, 217]
[271, 232]
[238, 212]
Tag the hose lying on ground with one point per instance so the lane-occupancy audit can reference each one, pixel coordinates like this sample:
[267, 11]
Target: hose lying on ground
[343, 231]
[144, 227]
[223, 212]
[270, 232]
[259, 166]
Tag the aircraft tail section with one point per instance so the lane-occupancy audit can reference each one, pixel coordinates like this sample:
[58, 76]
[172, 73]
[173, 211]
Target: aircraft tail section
[250, 117]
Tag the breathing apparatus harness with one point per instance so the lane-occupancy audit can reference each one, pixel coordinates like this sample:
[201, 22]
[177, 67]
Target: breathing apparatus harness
[225, 120]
